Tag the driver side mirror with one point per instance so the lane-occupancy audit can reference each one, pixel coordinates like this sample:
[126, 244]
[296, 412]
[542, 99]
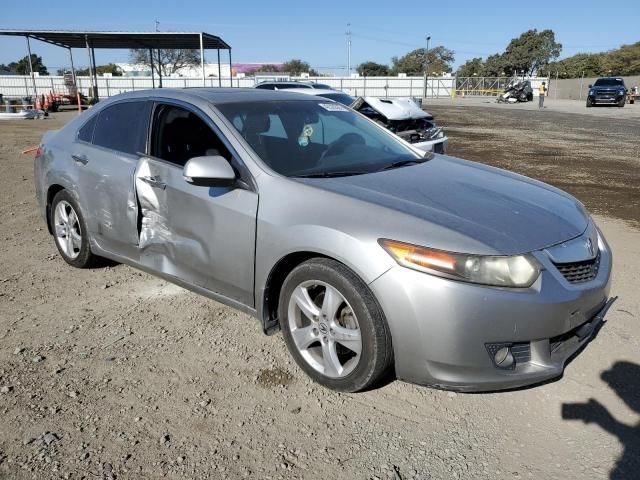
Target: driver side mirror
[590, 85]
[210, 171]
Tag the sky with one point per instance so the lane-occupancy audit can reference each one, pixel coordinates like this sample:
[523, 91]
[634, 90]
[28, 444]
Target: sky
[276, 31]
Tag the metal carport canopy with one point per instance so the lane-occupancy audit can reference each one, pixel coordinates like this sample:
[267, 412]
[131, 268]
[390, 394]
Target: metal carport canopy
[161, 40]
[114, 40]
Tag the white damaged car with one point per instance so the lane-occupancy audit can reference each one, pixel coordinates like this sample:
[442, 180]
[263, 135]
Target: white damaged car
[402, 116]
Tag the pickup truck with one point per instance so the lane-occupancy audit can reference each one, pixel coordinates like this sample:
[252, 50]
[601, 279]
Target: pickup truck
[607, 91]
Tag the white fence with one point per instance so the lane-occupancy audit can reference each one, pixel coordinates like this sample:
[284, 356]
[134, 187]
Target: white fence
[22, 86]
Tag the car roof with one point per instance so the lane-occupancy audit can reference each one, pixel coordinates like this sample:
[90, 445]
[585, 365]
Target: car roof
[312, 91]
[289, 82]
[214, 96]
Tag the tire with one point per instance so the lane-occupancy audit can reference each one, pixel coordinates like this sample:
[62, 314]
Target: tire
[621, 103]
[589, 103]
[333, 326]
[73, 248]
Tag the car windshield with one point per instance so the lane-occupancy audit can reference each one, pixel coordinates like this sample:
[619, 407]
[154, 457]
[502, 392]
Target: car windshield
[609, 82]
[343, 98]
[316, 138]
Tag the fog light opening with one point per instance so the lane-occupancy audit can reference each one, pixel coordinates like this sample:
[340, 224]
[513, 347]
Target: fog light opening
[503, 358]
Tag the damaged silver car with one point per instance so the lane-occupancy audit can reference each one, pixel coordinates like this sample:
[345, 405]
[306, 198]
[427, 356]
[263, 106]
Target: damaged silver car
[371, 256]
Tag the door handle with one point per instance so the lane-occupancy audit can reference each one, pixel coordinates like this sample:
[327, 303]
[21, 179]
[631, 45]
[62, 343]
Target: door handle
[80, 159]
[154, 181]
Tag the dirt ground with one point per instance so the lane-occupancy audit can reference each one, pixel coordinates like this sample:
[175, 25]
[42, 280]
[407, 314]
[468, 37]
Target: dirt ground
[111, 373]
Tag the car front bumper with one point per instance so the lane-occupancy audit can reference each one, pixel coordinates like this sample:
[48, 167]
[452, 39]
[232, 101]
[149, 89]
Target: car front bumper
[438, 145]
[443, 330]
[606, 100]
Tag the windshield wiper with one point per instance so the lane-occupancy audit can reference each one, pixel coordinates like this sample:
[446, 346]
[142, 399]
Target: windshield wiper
[331, 174]
[403, 163]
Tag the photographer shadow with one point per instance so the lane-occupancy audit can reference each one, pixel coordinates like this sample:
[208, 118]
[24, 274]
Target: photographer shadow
[623, 378]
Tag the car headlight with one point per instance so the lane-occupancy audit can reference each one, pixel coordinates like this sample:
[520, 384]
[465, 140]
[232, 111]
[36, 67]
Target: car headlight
[502, 271]
[591, 92]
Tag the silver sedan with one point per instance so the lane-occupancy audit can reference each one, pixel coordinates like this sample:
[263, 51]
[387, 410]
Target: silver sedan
[371, 256]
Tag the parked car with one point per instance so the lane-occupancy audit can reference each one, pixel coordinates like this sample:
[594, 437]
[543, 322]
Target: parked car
[335, 95]
[279, 85]
[516, 91]
[369, 255]
[607, 91]
[402, 116]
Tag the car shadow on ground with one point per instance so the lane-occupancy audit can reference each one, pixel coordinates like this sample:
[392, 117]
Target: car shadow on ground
[623, 378]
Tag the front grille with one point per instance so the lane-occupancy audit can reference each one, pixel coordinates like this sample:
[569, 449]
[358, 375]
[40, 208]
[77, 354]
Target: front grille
[580, 272]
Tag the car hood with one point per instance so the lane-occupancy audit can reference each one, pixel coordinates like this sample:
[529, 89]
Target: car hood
[505, 212]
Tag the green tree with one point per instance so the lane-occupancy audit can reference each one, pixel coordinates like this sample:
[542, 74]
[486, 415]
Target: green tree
[471, 67]
[372, 69]
[170, 60]
[296, 67]
[494, 66]
[416, 62]
[21, 67]
[268, 68]
[111, 68]
[531, 52]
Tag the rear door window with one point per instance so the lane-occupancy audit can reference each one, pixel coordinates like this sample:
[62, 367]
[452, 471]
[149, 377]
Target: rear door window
[123, 127]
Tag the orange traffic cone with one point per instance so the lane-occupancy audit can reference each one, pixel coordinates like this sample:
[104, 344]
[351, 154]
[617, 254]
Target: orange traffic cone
[38, 104]
[46, 103]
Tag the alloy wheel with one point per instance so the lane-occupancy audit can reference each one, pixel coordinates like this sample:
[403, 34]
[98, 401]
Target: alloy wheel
[67, 229]
[324, 329]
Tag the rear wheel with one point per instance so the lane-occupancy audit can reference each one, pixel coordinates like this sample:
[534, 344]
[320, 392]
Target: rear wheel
[70, 231]
[334, 327]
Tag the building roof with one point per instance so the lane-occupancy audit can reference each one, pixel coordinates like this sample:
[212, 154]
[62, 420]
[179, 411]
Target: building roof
[162, 40]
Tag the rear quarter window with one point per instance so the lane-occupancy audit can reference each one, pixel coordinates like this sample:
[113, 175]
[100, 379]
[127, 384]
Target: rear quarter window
[86, 131]
[123, 127]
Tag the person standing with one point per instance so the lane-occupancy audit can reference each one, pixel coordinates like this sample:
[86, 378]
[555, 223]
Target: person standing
[542, 91]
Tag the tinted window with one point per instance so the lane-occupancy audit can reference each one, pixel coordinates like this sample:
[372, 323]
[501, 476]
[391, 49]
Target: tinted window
[314, 137]
[179, 135]
[86, 131]
[609, 82]
[123, 127]
[266, 86]
[343, 98]
[323, 86]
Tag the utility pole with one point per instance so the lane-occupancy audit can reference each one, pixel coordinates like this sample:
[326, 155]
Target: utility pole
[348, 34]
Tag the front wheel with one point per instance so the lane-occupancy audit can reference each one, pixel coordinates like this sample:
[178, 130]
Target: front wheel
[589, 103]
[334, 327]
[621, 102]
[70, 231]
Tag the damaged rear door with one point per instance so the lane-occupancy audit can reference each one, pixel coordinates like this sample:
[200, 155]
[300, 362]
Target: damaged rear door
[202, 235]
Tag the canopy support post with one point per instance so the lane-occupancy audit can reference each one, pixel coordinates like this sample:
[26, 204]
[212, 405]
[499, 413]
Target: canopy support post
[219, 71]
[153, 78]
[202, 60]
[230, 69]
[95, 73]
[33, 78]
[73, 68]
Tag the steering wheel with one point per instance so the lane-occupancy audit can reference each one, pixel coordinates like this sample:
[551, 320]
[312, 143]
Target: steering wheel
[344, 140]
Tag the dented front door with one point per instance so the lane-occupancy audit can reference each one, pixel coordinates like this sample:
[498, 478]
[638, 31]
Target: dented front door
[202, 235]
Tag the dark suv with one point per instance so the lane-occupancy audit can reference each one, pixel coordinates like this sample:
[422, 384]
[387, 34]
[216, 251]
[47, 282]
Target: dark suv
[607, 91]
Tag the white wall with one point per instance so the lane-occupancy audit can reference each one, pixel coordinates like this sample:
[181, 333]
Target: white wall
[21, 85]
